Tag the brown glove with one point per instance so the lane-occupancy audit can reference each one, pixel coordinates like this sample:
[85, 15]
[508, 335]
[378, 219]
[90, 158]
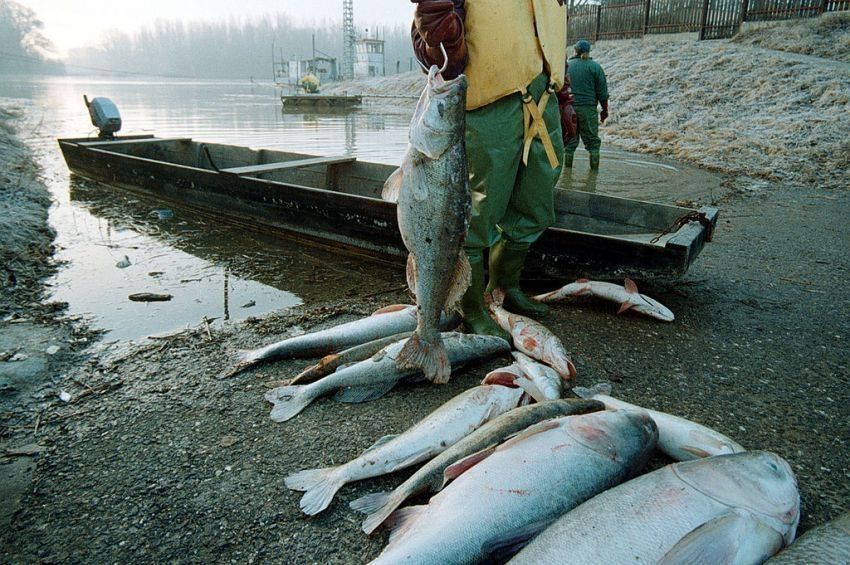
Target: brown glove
[603, 115]
[569, 120]
[435, 22]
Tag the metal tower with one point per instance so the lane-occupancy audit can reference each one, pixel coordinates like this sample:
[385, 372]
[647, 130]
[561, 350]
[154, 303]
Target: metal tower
[348, 39]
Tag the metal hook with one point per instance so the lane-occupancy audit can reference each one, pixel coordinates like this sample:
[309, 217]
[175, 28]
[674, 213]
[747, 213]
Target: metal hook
[445, 59]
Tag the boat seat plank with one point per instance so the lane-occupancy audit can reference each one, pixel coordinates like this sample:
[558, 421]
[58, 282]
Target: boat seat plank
[266, 167]
[133, 141]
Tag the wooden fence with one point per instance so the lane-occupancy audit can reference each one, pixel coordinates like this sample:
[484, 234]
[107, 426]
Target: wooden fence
[713, 19]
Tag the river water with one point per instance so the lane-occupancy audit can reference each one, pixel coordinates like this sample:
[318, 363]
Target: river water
[112, 245]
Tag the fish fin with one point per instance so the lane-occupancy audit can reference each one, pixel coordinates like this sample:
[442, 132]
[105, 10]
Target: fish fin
[400, 521]
[535, 429]
[724, 539]
[500, 548]
[381, 441]
[461, 466]
[695, 451]
[582, 281]
[370, 503]
[288, 401]
[391, 309]
[532, 389]
[461, 278]
[432, 358]
[313, 372]
[240, 362]
[624, 306]
[598, 388]
[320, 486]
[630, 286]
[392, 186]
[410, 273]
[503, 377]
[357, 394]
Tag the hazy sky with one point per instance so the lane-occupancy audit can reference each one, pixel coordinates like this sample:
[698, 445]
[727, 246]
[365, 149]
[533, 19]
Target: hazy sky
[74, 23]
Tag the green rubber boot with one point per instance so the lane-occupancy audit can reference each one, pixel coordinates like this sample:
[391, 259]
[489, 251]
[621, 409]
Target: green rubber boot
[476, 317]
[594, 160]
[506, 261]
[568, 159]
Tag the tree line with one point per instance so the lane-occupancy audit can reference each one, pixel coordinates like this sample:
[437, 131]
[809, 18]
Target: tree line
[23, 47]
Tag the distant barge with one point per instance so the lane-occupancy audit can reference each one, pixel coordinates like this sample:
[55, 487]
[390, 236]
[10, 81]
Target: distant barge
[336, 201]
[313, 101]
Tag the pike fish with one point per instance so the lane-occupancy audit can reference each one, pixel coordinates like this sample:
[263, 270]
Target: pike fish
[737, 509]
[533, 338]
[431, 189]
[387, 321]
[433, 476]
[827, 544]
[679, 438]
[532, 478]
[627, 296]
[330, 363]
[374, 377]
[440, 429]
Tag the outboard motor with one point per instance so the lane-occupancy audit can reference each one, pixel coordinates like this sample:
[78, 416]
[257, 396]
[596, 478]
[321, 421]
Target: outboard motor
[104, 116]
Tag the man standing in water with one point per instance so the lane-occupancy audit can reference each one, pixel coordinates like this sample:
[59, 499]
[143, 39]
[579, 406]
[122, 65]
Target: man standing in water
[512, 54]
[589, 88]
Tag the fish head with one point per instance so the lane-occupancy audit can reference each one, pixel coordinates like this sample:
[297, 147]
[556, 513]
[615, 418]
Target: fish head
[619, 435]
[760, 481]
[439, 118]
[545, 378]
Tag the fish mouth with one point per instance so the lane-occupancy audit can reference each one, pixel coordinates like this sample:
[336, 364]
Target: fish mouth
[439, 85]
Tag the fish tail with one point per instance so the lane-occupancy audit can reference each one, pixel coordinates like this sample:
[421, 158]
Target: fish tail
[598, 388]
[288, 401]
[320, 486]
[378, 506]
[240, 361]
[431, 357]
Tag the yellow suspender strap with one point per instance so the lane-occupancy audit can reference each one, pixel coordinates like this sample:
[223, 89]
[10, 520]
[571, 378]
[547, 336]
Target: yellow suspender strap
[535, 126]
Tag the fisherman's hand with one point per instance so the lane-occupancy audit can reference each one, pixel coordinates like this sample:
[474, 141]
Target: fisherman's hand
[437, 22]
[569, 120]
[603, 115]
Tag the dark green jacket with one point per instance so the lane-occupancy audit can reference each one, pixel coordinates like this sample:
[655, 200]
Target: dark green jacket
[587, 80]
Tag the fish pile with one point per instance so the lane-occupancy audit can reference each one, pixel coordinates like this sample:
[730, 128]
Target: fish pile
[512, 470]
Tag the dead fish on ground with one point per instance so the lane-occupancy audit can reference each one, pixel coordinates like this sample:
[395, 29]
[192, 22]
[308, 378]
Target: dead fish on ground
[531, 479]
[374, 377]
[431, 189]
[433, 476]
[827, 544]
[679, 438]
[627, 296]
[433, 434]
[740, 508]
[533, 338]
[385, 322]
[330, 363]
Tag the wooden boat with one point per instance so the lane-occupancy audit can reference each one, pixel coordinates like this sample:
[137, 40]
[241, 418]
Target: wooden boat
[336, 201]
[314, 101]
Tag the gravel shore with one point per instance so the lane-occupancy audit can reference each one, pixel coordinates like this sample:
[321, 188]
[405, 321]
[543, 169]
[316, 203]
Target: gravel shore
[156, 459]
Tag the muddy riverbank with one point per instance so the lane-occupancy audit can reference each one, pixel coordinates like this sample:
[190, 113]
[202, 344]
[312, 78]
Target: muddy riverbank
[153, 458]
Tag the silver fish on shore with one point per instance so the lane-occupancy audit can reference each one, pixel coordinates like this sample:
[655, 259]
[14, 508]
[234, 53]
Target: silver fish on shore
[533, 338]
[431, 477]
[374, 377]
[533, 478]
[330, 363]
[736, 509]
[627, 296]
[385, 322]
[545, 380]
[440, 429]
[431, 189]
[827, 544]
[679, 438]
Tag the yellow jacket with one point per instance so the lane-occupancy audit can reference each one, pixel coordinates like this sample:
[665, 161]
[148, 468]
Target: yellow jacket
[510, 42]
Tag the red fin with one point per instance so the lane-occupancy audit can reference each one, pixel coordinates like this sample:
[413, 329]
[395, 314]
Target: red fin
[458, 468]
[583, 281]
[624, 306]
[410, 273]
[430, 357]
[499, 377]
[402, 519]
[390, 309]
[630, 285]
